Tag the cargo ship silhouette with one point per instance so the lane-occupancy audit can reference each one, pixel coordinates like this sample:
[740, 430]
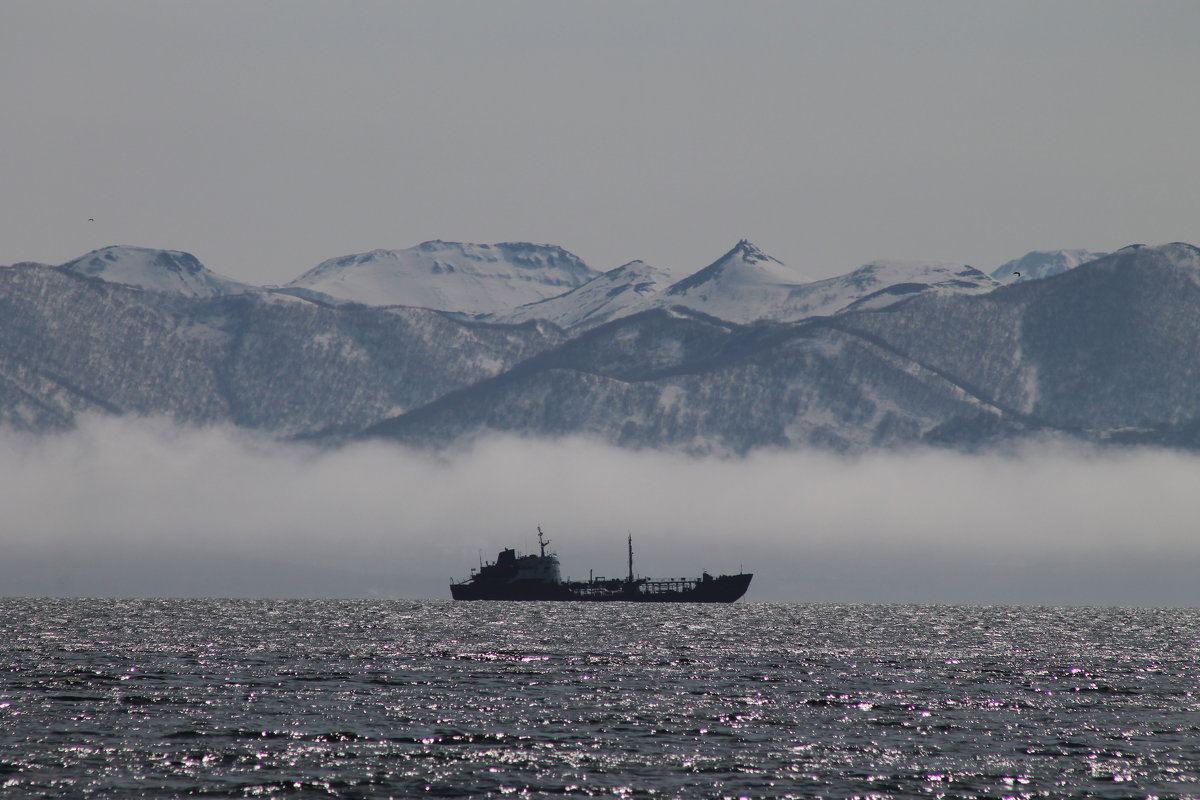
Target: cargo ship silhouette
[537, 577]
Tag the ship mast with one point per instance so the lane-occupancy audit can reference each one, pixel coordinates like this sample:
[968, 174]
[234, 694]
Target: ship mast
[631, 558]
[542, 540]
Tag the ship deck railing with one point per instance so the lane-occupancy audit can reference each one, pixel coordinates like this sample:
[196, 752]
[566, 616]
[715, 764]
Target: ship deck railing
[614, 586]
[668, 585]
[597, 587]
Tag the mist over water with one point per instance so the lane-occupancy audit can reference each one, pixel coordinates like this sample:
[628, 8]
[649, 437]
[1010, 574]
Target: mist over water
[124, 507]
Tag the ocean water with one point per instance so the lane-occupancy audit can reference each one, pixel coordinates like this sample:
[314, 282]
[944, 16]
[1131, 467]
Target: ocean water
[234, 698]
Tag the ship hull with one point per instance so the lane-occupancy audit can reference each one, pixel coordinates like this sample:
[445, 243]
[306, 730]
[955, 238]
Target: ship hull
[720, 589]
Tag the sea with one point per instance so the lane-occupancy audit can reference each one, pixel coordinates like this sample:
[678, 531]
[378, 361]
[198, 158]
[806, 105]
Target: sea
[377, 699]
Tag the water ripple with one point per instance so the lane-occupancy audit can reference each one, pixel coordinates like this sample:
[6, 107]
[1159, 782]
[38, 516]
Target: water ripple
[148, 698]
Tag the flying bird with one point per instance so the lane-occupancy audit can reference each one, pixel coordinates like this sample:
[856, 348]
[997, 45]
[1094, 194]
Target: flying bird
[1017, 274]
[91, 220]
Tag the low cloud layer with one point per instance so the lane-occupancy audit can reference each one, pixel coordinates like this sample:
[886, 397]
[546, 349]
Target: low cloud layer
[145, 508]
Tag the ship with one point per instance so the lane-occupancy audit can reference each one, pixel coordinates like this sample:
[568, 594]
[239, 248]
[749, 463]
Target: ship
[537, 577]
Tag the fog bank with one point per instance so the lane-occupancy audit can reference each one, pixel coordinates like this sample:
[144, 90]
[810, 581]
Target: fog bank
[121, 507]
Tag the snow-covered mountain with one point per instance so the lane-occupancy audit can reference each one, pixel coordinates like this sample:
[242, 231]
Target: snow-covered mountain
[746, 285]
[1105, 350]
[1042, 264]
[513, 283]
[263, 361]
[892, 354]
[677, 380]
[607, 296]
[880, 284]
[450, 276]
[159, 270]
[1102, 353]
[743, 285]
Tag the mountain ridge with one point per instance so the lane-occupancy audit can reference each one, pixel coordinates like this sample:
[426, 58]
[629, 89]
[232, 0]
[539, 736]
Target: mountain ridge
[71, 344]
[1038, 264]
[892, 355]
[948, 369]
[158, 270]
[744, 284]
[450, 276]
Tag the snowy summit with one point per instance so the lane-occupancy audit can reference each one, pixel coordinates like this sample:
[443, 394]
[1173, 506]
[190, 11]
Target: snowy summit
[159, 270]
[1039, 264]
[606, 297]
[744, 285]
[450, 276]
[881, 283]
[745, 267]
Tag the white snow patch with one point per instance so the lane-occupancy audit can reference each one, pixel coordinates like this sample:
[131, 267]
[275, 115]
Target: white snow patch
[450, 276]
[170, 271]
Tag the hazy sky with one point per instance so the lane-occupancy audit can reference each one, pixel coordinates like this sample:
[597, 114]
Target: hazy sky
[133, 508]
[267, 136]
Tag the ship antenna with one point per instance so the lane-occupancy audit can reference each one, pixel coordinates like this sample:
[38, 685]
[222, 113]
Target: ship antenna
[630, 556]
[542, 540]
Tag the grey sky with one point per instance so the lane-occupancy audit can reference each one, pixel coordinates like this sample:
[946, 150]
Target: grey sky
[265, 137]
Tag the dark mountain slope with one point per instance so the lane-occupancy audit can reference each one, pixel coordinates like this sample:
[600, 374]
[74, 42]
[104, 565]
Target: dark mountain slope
[70, 344]
[1109, 345]
[661, 380]
[1105, 351]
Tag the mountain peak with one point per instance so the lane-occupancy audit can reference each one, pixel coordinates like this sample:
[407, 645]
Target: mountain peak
[451, 276]
[1039, 264]
[744, 265]
[618, 292]
[635, 267]
[1175, 255]
[748, 252]
[151, 268]
[745, 254]
[106, 259]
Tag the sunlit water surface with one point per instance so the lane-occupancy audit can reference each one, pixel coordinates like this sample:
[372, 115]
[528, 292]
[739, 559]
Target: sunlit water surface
[169, 698]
